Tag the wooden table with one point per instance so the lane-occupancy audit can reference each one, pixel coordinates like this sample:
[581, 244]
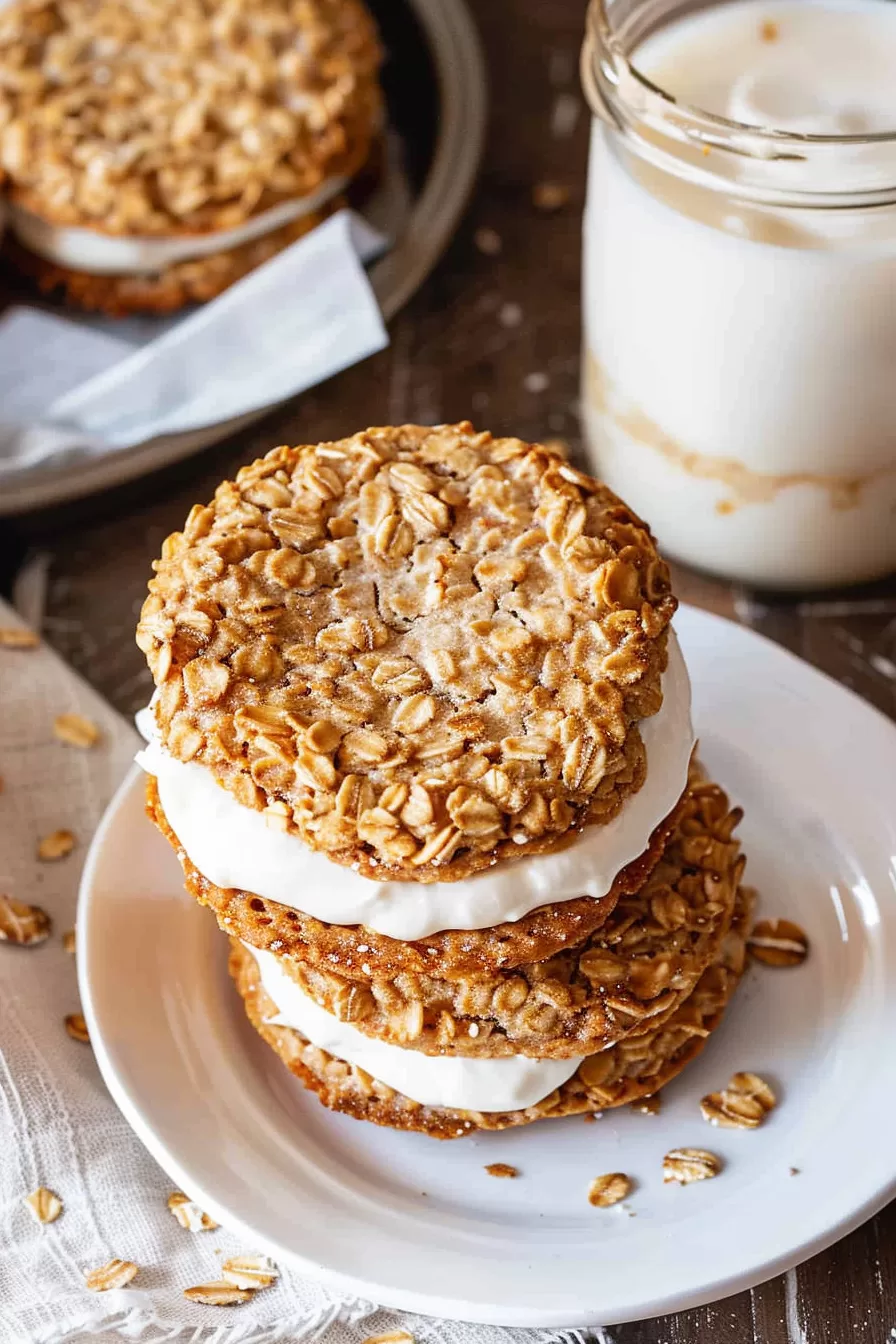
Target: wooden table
[470, 345]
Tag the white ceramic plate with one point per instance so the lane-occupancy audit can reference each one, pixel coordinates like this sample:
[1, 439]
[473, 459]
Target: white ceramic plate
[418, 1224]
[456, 55]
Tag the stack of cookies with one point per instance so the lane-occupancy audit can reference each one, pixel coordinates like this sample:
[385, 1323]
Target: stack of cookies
[421, 740]
[155, 153]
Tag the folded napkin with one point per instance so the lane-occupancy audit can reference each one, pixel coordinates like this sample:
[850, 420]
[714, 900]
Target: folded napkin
[69, 391]
[58, 1126]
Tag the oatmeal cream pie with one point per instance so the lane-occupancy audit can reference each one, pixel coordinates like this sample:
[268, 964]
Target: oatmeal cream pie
[156, 152]
[457, 1096]
[623, 980]
[411, 658]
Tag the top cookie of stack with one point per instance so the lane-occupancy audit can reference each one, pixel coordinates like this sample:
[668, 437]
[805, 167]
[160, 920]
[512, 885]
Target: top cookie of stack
[422, 651]
[137, 138]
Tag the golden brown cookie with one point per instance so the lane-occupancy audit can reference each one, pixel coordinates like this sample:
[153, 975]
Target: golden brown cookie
[452, 954]
[421, 650]
[633, 1069]
[182, 116]
[185, 283]
[632, 973]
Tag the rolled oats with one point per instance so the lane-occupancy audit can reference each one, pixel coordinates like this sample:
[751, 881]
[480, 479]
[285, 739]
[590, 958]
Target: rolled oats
[778, 942]
[17, 637]
[116, 1274]
[189, 1214]
[77, 1028]
[743, 1104]
[502, 1169]
[250, 1271]
[26, 925]
[605, 1191]
[218, 1293]
[68, 942]
[56, 845]
[685, 1165]
[391, 1337]
[76, 730]
[45, 1205]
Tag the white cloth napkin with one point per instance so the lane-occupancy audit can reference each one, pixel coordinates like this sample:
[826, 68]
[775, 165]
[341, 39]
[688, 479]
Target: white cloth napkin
[58, 1126]
[68, 391]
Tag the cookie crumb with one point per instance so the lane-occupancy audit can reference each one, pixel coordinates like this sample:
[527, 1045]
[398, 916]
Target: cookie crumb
[550, 196]
[502, 1169]
[488, 242]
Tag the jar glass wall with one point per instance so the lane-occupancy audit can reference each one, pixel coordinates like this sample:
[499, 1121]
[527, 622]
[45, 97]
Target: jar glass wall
[739, 373]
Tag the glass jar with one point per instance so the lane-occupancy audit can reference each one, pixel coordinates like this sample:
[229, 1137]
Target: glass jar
[739, 370]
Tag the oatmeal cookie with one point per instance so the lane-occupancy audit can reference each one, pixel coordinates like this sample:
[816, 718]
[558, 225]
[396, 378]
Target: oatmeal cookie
[451, 954]
[420, 650]
[628, 976]
[181, 116]
[622, 1074]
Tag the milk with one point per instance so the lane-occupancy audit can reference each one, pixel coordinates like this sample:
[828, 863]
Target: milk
[739, 384]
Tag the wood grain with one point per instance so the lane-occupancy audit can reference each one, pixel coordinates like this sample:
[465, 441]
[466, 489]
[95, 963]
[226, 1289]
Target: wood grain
[467, 346]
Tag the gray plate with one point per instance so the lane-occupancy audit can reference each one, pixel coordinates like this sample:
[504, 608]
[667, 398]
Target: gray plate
[431, 40]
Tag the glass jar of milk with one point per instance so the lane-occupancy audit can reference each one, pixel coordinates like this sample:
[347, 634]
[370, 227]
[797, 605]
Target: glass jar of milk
[739, 384]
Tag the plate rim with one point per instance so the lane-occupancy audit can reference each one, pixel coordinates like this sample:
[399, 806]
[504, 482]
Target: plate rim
[459, 60]
[455, 1307]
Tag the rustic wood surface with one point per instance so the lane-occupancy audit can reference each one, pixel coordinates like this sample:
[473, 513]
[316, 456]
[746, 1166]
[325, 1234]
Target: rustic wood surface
[494, 336]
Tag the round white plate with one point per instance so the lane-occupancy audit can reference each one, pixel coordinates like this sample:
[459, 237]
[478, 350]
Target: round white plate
[459, 67]
[417, 1224]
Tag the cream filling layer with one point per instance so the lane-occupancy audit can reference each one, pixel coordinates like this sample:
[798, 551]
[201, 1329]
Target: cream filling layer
[509, 1084]
[112, 254]
[232, 845]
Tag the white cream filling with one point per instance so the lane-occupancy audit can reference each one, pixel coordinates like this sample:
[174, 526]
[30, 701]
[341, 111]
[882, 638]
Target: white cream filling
[112, 254]
[232, 845]
[508, 1084]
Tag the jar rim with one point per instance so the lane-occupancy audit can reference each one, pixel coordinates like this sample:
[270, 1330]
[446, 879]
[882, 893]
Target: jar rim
[602, 42]
[657, 124]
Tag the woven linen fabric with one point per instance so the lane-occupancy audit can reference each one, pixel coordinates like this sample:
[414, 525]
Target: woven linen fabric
[58, 1126]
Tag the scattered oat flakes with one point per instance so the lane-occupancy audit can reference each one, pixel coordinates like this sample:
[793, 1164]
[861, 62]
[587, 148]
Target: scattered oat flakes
[502, 1169]
[605, 1191]
[510, 314]
[12, 638]
[189, 1214]
[68, 942]
[250, 1271]
[684, 1165]
[488, 242]
[218, 1293]
[75, 730]
[778, 942]
[391, 1337]
[56, 845]
[45, 1205]
[117, 1274]
[768, 31]
[536, 382]
[26, 925]
[77, 1028]
[648, 1105]
[550, 196]
[743, 1104]
[565, 115]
